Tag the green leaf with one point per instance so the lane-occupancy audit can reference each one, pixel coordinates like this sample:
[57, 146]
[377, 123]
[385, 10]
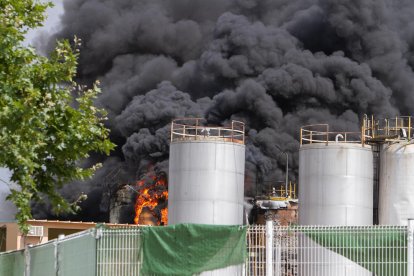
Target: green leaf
[42, 136]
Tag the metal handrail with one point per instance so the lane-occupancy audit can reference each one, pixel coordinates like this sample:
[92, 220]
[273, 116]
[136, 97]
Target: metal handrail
[194, 129]
[373, 130]
[389, 129]
[282, 192]
[319, 133]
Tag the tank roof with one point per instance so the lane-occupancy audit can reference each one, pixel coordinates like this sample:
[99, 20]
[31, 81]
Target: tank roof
[195, 129]
[373, 131]
[321, 134]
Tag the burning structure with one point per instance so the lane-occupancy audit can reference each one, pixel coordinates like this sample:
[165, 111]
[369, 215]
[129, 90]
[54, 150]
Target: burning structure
[121, 207]
[279, 204]
[142, 202]
[152, 196]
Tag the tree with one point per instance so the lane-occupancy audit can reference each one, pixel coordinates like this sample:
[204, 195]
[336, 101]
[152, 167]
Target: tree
[47, 121]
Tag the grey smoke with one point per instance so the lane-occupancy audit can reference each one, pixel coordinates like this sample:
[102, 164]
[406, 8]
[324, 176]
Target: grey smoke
[275, 64]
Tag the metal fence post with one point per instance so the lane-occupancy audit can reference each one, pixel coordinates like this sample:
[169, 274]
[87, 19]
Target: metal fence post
[410, 248]
[269, 248]
[56, 255]
[26, 261]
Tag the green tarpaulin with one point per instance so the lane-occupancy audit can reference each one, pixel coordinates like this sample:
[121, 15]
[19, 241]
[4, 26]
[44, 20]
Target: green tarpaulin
[12, 264]
[187, 249]
[77, 256]
[381, 251]
[42, 260]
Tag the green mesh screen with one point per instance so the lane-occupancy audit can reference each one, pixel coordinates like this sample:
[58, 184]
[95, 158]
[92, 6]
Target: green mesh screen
[77, 256]
[12, 264]
[187, 249]
[381, 251]
[42, 260]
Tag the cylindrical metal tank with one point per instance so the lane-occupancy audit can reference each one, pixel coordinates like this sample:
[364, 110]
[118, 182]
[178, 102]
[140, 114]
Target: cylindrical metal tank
[396, 194]
[335, 184]
[206, 177]
[335, 188]
[206, 173]
[206, 182]
[7, 208]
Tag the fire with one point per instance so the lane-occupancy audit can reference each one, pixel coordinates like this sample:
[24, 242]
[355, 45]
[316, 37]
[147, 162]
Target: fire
[164, 216]
[153, 196]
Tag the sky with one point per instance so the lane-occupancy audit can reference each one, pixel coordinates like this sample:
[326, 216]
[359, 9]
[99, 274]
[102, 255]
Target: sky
[7, 209]
[51, 26]
[52, 22]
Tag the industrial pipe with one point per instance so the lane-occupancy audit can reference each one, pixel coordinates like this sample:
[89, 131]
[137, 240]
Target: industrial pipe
[269, 248]
[337, 137]
[287, 169]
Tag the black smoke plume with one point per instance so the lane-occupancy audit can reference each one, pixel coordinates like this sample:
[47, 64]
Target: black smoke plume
[274, 64]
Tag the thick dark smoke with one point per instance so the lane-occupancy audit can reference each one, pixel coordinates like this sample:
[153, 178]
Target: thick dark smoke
[274, 64]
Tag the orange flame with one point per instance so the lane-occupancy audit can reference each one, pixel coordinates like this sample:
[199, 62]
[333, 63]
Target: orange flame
[164, 216]
[149, 198]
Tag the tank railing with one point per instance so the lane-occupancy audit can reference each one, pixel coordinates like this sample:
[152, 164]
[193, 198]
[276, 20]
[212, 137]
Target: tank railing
[367, 128]
[194, 129]
[319, 133]
[278, 190]
[398, 128]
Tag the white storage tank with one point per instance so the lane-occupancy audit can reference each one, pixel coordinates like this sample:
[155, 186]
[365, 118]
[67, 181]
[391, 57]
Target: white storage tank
[335, 178]
[206, 177]
[206, 173]
[396, 200]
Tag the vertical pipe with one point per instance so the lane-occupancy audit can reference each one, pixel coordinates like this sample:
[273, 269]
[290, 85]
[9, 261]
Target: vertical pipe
[364, 129]
[196, 130]
[372, 126]
[172, 130]
[409, 128]
[396, 125]
[269, 247]
[243, 133]
[363, 133]
[410, 248]
[287, 174]
[294, 189]
[232, 130]
[386, 127]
